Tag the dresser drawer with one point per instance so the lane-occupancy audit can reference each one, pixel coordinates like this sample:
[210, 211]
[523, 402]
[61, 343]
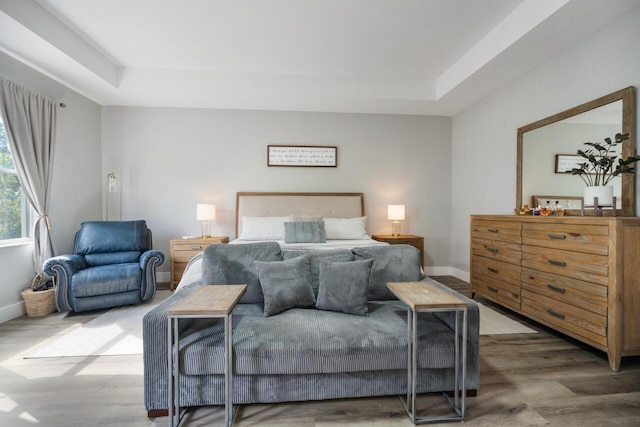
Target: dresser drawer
[497, 280]
[501, 292]
[566, 317]
[593, 239]
[587, 295]
[193, 248]
[495, 249]
[495, 230]
[577, 265]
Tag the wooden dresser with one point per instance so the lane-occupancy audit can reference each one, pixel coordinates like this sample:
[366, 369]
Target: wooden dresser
[578, 275]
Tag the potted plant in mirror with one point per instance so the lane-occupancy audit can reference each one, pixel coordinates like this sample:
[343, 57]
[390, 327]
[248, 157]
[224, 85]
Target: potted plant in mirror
[600, 167]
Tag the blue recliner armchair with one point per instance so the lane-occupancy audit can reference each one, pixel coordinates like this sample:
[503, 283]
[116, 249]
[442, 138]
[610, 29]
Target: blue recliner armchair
[112, 264]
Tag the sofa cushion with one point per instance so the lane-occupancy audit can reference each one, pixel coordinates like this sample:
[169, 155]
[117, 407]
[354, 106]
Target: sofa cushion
[285, 284]
[393, 263]
[234, 264]
[112, 258]
[106, 279]
[316, 257]
[344, 286]
[304, 232]
[308, 341]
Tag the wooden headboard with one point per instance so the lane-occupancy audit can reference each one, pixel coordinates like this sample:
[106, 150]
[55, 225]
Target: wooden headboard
[329, 205]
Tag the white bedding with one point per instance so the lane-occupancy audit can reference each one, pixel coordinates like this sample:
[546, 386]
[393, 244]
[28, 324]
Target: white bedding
[330, 244]
[193, 272]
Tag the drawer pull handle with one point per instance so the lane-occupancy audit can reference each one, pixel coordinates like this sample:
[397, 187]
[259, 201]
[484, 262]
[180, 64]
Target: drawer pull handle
[556, 314]
[557, 289]
[195, 248]
[558, 263]
[557, 236]
[493, 270]
[492, 289]
[492, 230]
[495, 250]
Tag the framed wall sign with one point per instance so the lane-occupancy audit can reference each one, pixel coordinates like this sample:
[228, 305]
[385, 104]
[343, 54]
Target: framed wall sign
[302, 156]
[566, 162]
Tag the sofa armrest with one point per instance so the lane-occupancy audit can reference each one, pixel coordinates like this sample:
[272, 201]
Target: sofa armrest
[62, 268]
[149, 260]
[154, 352]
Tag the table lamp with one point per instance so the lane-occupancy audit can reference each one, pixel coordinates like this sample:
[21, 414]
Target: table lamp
[206, 213]
[395, 213]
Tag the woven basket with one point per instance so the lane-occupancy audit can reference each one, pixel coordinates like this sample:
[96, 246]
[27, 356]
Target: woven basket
[39, 303]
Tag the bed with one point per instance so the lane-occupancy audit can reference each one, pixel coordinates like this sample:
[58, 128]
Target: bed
[260, 216]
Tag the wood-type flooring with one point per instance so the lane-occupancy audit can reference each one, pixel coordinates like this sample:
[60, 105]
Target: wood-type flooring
[525, 380]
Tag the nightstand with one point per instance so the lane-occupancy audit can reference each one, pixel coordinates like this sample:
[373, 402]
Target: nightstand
[403, 239]
[182, 250]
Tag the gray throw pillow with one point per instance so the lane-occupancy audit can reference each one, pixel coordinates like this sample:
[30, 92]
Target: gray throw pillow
[316, 258]
[233, 265]
[304, 232]
[393, 263]
[344, 286]
[285, 285]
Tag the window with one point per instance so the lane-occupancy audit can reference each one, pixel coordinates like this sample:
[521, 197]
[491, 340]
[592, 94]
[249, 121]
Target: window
[15, 211]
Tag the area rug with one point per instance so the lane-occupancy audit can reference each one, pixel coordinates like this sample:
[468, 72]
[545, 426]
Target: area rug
[494, 323]
[119, 332]
[116, 332]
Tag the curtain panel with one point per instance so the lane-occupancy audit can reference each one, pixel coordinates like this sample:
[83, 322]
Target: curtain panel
[29, 120]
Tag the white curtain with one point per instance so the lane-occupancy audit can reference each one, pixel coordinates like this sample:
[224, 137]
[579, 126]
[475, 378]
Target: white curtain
[29, 120]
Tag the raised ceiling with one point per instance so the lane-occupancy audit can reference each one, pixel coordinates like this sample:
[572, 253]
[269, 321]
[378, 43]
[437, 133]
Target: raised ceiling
[433, 57]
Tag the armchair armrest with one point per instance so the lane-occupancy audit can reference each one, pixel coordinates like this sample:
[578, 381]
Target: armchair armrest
[149, 260]
[62, 268]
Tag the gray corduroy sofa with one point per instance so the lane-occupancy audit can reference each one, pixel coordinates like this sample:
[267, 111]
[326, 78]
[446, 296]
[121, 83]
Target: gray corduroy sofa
[299, 354]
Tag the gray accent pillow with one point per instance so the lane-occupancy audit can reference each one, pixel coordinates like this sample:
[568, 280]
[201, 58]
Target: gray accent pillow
[316, 257]
[285, 285]
[344, 286]
[304, 232]
[393, 263]
[233, 265]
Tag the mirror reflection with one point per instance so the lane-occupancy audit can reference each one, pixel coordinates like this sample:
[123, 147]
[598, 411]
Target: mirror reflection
[549, 146]
[545, 149]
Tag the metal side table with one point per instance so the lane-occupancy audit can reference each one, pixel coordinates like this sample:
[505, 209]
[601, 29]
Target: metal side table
[421, 297]
[206, 302]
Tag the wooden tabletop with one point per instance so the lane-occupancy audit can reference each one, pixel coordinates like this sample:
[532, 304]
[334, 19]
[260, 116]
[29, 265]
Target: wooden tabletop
[209, 300]
[423, 295]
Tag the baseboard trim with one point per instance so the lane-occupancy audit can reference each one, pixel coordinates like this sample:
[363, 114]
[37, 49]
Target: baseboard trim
[448, 271]
[12, 311]
[461, 274]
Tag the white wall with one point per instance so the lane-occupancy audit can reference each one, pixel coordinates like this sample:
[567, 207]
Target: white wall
[76, 187]
[170, 159]
[484, 136]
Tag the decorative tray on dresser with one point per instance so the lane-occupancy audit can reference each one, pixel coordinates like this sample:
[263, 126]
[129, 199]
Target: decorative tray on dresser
[578, 275]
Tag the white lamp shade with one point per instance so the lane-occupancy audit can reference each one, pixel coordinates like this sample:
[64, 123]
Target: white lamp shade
[395, 212]
[205, 212]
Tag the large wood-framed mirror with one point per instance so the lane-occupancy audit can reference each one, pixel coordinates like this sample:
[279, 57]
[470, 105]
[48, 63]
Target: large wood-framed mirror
[542, 143]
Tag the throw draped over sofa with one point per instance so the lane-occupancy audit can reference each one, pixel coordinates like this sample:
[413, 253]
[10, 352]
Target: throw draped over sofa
[112, 264]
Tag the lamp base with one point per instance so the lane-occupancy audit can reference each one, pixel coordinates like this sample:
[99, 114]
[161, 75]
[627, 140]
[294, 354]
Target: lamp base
[395, 228]
[206, 229]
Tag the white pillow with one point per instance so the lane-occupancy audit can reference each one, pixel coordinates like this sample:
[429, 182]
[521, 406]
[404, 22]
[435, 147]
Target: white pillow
[263, 227]
[346, 228]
